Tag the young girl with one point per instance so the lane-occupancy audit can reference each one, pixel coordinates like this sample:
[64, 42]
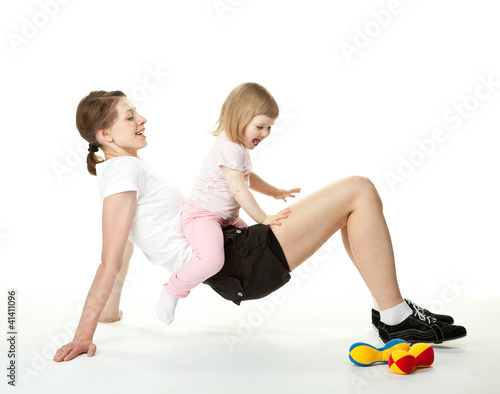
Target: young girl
[222, 187]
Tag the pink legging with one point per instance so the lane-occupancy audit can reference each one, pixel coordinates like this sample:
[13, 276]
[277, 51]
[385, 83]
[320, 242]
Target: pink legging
[203, 229]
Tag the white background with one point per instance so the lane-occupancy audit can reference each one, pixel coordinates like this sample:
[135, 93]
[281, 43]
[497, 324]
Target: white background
[343, 115]
[414, 62]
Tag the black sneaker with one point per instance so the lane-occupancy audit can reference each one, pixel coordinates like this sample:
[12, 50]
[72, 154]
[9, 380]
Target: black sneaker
[415, 330]
[418, 311]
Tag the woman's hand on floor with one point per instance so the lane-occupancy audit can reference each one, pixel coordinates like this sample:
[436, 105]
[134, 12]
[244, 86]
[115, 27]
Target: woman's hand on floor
[75, 348]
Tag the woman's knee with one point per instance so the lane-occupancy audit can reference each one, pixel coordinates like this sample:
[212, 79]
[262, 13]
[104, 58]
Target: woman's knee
[364, 189]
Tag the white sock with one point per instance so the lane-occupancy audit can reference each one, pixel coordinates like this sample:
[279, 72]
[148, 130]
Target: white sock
[396, 314]
[375, 305]
[166, 306]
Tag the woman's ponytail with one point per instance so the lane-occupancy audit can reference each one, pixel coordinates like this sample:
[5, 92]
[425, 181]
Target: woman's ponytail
[92, 161]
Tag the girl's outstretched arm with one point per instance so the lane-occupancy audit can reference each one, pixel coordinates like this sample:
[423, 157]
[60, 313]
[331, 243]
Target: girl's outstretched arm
[118, 213]
[260, 185]
[247, 201]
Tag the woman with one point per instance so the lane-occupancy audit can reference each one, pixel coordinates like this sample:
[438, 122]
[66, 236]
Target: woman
[140, 208]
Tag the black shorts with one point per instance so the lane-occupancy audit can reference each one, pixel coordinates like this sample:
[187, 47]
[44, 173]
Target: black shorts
[254, 266]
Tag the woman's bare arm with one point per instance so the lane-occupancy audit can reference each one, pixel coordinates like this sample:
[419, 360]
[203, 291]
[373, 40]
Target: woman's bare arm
[118, 213]
[111, 312]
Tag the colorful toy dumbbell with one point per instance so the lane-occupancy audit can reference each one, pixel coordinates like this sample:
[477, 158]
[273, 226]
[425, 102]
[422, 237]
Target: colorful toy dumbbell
[364, 354]
[403, 362]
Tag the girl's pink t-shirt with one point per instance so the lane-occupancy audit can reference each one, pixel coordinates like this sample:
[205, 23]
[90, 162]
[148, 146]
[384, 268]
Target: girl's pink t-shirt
[211, 190]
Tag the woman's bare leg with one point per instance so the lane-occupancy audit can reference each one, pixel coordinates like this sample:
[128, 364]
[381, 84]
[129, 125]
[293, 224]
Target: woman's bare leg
[347, 247]
[352, 203]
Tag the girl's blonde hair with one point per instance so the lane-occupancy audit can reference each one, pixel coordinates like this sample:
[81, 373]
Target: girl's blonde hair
[243, 103]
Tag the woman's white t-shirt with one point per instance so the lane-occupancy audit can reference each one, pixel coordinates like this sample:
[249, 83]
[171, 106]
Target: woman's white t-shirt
[156, 228]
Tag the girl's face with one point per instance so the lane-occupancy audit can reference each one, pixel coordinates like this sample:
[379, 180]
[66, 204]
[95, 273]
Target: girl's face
[257, 130]
[126, 136]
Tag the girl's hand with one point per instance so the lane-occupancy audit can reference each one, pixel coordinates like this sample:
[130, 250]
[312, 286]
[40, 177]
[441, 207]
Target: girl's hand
[74, 348]
[282, 194]
[276, 219]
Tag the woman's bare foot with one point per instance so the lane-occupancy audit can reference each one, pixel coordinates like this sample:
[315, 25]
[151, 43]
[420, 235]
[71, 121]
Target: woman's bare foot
[107, 317]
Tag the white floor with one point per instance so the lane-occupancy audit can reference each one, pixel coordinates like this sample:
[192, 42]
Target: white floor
[255, 348]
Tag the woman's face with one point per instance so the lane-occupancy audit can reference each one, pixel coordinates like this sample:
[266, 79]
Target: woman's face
[127, 133]
[257, 130]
